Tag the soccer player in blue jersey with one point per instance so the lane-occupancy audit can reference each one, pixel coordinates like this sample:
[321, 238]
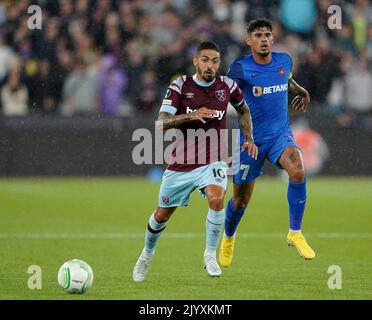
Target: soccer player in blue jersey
[266, 78]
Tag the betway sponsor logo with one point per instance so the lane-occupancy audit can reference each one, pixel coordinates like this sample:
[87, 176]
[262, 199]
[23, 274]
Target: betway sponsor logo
[259, 91]
[218, 114]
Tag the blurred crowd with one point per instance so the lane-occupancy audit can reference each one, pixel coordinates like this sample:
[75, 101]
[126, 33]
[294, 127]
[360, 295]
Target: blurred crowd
[116, 57]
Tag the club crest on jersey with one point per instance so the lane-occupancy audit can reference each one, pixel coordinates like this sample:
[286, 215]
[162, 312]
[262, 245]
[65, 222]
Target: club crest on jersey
[190, 95]
[165, 199]
[221, 95]
[281, 71]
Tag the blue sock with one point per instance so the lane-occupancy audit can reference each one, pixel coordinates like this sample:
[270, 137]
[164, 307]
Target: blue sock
[297, 200]
[153, 232]
[233, 217]
[213, 225]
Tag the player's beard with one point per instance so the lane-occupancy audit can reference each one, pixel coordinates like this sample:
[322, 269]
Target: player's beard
[206, 77]
[264, 54]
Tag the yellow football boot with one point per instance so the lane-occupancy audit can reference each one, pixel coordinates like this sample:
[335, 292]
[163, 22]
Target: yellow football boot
[297, 240]
[226, 251]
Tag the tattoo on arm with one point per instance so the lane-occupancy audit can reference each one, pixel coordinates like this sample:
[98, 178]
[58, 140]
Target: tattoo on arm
[167, 121]
[245, 122]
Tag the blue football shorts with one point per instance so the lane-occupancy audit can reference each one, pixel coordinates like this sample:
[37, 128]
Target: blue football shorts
[249, 169]
[177, 186]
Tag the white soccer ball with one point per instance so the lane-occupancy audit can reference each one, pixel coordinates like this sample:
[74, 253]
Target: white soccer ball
[75, 276]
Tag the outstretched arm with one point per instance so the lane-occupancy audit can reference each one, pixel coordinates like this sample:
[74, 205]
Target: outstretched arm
[246, 126]
[167, 120]
[301, 100]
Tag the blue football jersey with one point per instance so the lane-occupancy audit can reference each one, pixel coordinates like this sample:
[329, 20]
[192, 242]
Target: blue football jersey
[265, 88]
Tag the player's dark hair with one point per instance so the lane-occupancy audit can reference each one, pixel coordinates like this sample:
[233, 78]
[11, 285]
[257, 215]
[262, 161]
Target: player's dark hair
[259, 23]
[207, 45]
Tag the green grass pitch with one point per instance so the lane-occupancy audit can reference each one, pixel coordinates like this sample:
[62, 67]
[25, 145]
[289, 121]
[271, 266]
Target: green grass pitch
[46, 222]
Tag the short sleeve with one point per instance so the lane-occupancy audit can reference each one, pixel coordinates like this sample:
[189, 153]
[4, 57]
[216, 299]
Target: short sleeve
[236, 73]
[172, 99]
[237, 97]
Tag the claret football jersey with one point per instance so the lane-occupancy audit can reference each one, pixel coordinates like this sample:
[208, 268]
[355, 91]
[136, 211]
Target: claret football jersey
[185, 95]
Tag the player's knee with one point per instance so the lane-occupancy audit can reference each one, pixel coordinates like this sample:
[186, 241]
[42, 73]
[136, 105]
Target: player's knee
[297, 175]
[240, 203]
[216, 202]
[162, 216]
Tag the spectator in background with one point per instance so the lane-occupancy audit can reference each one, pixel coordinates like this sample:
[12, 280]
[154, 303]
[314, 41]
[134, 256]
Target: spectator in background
[360, 23]
[45, 89]
[148, 98]
[135, 65]
[260, 8]
[22, 31]
[80, 91]
[369, 43]
[6, 54]
[357, 93]
[146, 42]
[61, 69]
[238, 21]
[171, 50]
[65, 15]
[81, 7]
[205, 27]
[318, 70]
[221, 10]
[128, 24]
[229, 47]
[344, 39]
[14, 96]
[162, 35]
[358, 88]
[29, 60]
[111, 83]
[112, 34]
[50, 38]
[3, 17]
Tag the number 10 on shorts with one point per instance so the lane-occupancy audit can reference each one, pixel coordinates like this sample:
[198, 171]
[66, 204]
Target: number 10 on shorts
[218, 172]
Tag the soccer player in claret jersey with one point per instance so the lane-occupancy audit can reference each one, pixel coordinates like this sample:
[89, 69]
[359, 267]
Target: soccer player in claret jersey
[266, 78]
[196, 102]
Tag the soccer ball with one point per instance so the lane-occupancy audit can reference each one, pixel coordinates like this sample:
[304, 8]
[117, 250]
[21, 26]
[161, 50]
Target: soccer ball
[75, 276]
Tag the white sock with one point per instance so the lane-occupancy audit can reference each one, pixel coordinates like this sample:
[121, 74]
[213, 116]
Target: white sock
[153, 232]
[214, 223]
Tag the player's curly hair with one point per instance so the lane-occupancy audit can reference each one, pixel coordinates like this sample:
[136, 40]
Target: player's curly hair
[258, 23]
